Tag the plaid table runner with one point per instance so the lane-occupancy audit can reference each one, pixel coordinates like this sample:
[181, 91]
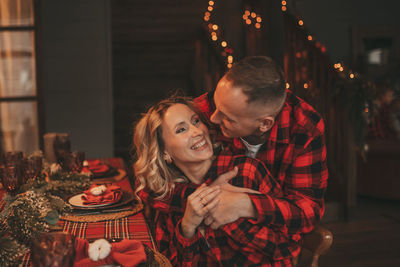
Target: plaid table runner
[131, 227]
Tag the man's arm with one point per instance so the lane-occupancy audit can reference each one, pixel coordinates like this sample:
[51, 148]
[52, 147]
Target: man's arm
[294, 210]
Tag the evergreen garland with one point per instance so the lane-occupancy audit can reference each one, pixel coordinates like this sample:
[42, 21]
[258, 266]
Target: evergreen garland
[33, 211]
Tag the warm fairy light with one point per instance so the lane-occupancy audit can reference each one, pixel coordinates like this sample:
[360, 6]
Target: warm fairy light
[214, 37]
[337, 65]
[253, 15]
[247, 13]
[210, 25]
[206, 18]
[223, 44]
[323, 49]
[210, 8]
[258, 19]
[213, 33]
[287, 85]
[211, 3]
[257, 25]
[309, 38]
[283, 3]
[366, 110]
[215, 27]
[283, 8]
[207, 14]
[245, 17]
[248, 21]
[341, 69]
[229, 65]
[305, 86]
[301, 23]
[351, 75]
[298, 55]
[230, 59]
[318, 44]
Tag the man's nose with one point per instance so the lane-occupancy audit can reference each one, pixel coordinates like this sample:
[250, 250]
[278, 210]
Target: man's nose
[215, 117]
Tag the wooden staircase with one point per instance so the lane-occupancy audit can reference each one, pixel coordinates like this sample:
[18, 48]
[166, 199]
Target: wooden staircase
[153, 46]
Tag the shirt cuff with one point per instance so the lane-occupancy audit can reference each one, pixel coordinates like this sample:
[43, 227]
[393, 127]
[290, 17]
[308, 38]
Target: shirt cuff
[184, 241]
[263, 205]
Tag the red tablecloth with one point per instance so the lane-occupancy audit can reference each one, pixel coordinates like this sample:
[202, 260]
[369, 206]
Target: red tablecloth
[131, 227]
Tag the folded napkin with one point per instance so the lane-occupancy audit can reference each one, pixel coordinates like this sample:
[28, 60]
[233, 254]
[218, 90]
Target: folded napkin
[127, 253]
[96, 167]
[111, 194]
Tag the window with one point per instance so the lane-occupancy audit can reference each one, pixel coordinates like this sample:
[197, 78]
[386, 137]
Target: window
[19, 120]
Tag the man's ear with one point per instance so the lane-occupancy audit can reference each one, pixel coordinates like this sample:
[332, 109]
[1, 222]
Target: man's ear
[266, 124]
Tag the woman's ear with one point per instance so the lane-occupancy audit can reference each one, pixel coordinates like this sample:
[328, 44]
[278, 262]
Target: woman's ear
[167, 158]
[266, 124]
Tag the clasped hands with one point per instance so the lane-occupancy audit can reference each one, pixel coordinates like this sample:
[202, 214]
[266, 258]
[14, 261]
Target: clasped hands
[217, 204]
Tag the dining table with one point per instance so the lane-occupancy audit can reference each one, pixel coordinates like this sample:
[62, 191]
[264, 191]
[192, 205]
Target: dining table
[110, 226]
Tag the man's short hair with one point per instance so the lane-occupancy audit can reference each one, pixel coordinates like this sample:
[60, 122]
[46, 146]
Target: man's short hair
[260, 78]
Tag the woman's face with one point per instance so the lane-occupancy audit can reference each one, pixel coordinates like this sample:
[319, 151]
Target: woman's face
[185, 136]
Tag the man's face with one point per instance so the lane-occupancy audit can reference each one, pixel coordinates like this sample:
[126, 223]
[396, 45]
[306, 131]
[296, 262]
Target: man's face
[234, 115]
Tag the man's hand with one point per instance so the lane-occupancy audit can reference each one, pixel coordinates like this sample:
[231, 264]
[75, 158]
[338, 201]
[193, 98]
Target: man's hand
[231, 206]
[224, 178]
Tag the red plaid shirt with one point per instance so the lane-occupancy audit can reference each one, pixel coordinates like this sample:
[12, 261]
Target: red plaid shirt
[295, 154]
[241, 243]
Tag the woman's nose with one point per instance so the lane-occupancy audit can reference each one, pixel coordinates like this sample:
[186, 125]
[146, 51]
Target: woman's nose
[196, 131]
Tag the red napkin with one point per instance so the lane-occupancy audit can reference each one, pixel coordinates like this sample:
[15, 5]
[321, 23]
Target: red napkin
[112, 194]
[96, 167]
[125, 253]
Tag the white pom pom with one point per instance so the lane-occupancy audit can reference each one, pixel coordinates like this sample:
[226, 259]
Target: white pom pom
[98, 190]
[99, 249]
[54, 168]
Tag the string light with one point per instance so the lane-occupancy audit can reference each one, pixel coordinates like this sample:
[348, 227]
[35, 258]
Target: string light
[214, 38]
[215, 27]
[211, 3]
[305, 86]
[351, 75]
[229, 65]
[284, 8]
[301, 23]
[230, 59]
[287, 85]
[283, 3]
[210, 8]
[309, 38]
[223, 44]
[249, 16]
[341, 69]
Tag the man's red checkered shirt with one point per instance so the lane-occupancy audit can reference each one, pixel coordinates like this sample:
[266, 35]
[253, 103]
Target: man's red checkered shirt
[295, 155]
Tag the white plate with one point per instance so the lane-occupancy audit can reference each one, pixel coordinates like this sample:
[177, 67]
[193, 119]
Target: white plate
[78, 202]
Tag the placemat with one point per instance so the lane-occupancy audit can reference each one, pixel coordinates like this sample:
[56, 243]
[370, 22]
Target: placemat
[102, 217]
[121, 174]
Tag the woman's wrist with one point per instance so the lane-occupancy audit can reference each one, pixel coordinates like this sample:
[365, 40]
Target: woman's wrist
[187, 229]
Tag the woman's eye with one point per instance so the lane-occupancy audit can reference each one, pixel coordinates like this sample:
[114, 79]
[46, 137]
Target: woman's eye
[196, 121]
[180, 130]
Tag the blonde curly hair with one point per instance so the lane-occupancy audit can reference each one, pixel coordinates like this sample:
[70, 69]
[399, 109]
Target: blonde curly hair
[151, 170]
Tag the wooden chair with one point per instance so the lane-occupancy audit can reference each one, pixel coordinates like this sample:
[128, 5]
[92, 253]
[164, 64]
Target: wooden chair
[317, 242]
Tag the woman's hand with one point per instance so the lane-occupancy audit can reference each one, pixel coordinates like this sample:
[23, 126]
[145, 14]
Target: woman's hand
[198, 204]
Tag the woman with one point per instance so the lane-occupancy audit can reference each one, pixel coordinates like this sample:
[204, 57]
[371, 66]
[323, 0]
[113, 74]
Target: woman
[173, 146]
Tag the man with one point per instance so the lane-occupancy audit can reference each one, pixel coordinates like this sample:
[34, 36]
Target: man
[258, 117]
